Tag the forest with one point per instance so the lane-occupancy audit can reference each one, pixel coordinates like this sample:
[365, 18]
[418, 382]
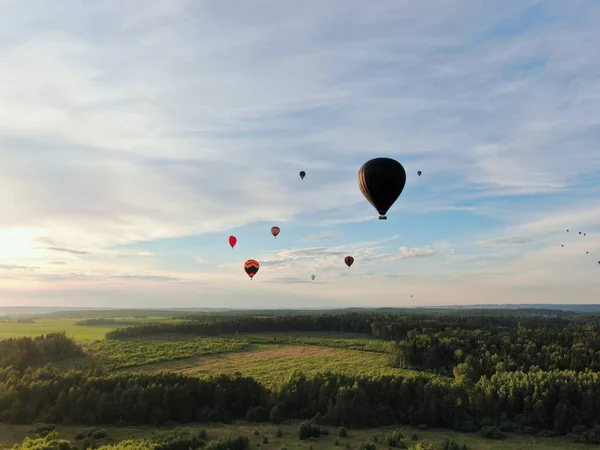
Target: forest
[512, 372]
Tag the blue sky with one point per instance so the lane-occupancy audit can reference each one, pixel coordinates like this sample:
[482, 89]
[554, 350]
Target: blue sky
[137, 136]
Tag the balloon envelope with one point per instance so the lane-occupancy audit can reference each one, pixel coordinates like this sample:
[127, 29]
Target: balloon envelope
[302, 174]
[232, 241]
[313, 277]
[381, 181]
[275, 231]
[251, 267]
[349, 260]
[419, 173]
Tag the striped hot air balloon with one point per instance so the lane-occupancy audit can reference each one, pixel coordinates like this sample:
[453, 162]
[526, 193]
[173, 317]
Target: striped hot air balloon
[251, 267]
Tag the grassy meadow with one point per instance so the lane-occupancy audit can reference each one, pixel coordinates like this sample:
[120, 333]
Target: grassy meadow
[11, 434]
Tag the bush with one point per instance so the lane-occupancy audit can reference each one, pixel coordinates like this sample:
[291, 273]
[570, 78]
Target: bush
[279, 433]
[44, 428]
[367, 446]
[395, 439]
[336, 442]
[202, 434]
[265, 440]
[232, 443]
[415, 437]
[423, 427]
[451, 444]
[307, 430]
[276, 415]
[79, 436]
[343, 432]
[99, 434]
[492, 433]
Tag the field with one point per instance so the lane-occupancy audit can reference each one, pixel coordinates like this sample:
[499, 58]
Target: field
[11, 434]
[12, 328]
[271, 364]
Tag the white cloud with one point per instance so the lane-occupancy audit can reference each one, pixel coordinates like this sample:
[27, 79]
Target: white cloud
[131, 122]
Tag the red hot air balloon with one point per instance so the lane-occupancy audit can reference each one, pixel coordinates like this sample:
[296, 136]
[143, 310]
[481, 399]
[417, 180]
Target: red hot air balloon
[349, 260]
[275, 231]
[302, 174]
[232, 241]
[251, 267]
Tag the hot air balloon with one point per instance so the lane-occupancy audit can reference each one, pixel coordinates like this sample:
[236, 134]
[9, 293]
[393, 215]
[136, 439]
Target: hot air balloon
[349, 260]
[251, 267]
[562, 245]
[313, 277]
[580, 232]
[567, 231]
[232, 241]
[302, 174]
[275, 231]
[419, 173]
[381, 181]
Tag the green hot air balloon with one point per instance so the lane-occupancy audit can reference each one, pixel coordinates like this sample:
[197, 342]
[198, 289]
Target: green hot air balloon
[313, 277]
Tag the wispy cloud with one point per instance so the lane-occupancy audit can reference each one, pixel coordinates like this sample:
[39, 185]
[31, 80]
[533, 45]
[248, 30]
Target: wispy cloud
[504, 241]
[184, 119]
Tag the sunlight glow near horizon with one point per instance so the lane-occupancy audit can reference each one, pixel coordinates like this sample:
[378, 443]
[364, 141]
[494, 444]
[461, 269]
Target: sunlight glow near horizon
[136, 138]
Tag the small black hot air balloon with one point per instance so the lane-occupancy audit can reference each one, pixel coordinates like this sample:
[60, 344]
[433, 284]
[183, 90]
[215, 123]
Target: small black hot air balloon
[302, 174]
[567, 231]
[419, 173]
[562, 245]
[349, 260]
[381, 181]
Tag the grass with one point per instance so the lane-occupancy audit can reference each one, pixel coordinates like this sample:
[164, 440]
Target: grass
[14, 329]
[271, 364]
[11, 434]
[351, 341]
[116, 354]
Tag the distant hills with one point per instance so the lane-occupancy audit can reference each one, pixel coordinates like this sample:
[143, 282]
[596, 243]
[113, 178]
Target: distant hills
[53, 311]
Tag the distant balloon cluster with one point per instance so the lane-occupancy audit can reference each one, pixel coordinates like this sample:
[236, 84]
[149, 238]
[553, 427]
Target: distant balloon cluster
[381, 181]
[581, 233]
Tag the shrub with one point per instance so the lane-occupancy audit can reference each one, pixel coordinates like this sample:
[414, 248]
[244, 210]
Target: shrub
[396, 439]
[279, 432]
[99, 434]
[308, 429]
[343, 432]
[492, 433]
[415, 437]
[368, 446]
[265, 440]
[276, 415]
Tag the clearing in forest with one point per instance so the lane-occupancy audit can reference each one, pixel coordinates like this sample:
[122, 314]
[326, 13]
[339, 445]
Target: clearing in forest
[271, 364]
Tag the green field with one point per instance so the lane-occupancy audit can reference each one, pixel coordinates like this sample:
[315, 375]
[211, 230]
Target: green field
[11, 434]
[272, 363]
[14, 329]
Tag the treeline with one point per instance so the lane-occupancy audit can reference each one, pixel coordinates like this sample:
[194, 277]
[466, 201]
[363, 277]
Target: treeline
[102, 321]
[379, 326]
[474, 353]
[24, 352]
[556, 401]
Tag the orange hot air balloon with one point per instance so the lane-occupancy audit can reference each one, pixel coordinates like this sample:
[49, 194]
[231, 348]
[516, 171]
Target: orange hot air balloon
[232, 241]
[349, 260]
[275, 231]
[251, 267]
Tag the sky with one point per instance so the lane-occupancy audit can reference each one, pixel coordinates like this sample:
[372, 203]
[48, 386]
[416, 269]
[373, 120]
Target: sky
[136, 137]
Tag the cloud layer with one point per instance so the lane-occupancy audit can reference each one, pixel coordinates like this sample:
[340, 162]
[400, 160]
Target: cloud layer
[136, 137]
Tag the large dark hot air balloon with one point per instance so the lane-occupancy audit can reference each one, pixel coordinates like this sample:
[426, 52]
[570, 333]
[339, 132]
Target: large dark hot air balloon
[275, 231]
[302, 174]
[381, 181]
[251, 267]
[232, 241]
[349, 260]
[419, 173]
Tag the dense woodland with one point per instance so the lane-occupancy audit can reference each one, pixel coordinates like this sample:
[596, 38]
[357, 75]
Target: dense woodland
[26, 352]
[515, 371]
